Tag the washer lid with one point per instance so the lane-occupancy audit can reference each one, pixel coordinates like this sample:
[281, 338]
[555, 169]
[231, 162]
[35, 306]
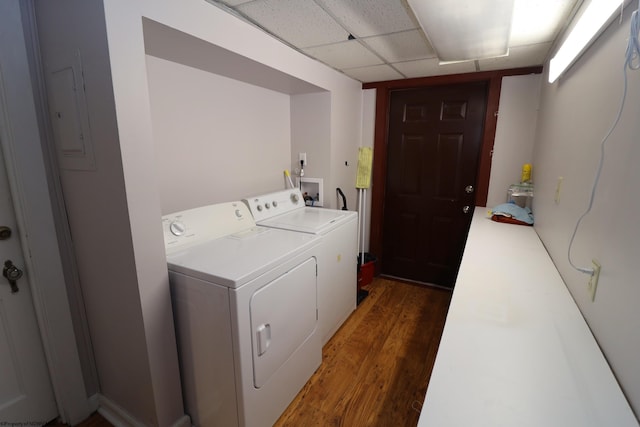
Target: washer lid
[309, 220]
[236, 259]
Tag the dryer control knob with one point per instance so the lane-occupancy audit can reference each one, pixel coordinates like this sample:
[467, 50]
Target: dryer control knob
[275, 204]
[177, 228]
[238, 213]
[267, 205]
[294, 198]
[259, 207]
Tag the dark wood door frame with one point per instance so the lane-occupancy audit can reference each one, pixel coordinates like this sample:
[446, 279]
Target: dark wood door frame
[379, 173]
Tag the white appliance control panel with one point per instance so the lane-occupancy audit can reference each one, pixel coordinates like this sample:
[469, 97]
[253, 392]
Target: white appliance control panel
[272, 204]
[193, 226]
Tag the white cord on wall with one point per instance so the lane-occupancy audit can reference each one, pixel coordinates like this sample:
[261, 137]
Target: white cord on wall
[632, 62]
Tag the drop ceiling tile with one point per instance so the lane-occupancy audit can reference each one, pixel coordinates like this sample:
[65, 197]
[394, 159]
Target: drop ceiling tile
[350, 54]
[430, 67]
[301, 23]
[519, 56]
[390, 32]
[405, 46]
[376, 73]
[538, 21]
[365, 18]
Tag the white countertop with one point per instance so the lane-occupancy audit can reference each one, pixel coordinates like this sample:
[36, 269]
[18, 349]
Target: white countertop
[516, 350]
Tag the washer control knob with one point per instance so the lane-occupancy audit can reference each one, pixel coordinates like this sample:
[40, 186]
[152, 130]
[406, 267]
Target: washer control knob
[275, 204]
[267, 205]
[177, 228]
[259, 207]
[238, 213]
[294, 198]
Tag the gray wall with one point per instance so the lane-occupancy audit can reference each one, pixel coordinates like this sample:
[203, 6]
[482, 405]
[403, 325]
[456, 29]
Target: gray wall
[515, 134]
[575, 113]
[217, 139]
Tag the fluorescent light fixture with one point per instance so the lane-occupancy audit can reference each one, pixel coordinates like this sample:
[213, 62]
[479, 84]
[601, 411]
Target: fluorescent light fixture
[465, 30]
[595, 16]
[536, 21]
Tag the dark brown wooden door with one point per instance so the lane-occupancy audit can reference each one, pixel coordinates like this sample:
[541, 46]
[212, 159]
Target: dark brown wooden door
[434, 141]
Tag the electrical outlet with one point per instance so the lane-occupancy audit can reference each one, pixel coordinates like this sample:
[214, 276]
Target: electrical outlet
[558, 188]
[302, 157]
[593, 280]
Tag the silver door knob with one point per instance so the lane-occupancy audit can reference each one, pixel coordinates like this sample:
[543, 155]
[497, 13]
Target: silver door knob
[466, 209]
[469, 189]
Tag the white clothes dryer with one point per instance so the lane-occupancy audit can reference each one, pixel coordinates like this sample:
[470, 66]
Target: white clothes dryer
[337, 253]
[245, 309]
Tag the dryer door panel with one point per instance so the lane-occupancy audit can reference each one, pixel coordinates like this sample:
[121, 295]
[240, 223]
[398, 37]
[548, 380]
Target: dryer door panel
[283, 316]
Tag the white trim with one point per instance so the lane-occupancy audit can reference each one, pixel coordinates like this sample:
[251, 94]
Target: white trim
[119, 417]
[31, 198]
[184, 421]
[116, 414]
[94, 402]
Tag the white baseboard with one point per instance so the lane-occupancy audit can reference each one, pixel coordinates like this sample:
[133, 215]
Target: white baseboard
[115, 414]
[94, 402]
[184, 421]
[119, 417]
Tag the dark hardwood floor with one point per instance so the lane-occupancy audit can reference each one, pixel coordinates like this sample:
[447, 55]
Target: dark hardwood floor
[95, 420]
[376, 368]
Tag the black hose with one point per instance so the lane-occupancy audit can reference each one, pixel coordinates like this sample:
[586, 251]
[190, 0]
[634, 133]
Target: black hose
[344, 199]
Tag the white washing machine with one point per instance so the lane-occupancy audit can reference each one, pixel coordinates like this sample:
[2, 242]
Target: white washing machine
[245, 309]
[337, 254]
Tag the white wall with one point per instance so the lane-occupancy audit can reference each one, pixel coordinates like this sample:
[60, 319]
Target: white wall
[128, 306]
[515, 134]
[215, 41]
[216, 139]
[346, 134]
[575, 113]
[311, 134]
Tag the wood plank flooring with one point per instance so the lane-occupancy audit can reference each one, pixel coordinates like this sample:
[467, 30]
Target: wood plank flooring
[376, 368]
[95, 420]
